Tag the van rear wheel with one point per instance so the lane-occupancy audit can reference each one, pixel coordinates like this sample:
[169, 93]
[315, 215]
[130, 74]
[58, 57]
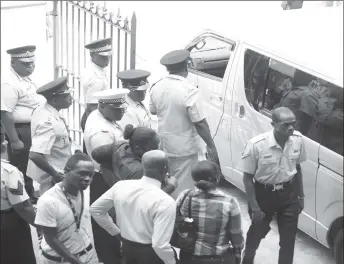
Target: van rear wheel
[338, 247]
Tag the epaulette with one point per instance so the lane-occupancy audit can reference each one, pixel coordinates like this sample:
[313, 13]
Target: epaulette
[258, 138]
[8, 167]
[151, 88]
[297, 133]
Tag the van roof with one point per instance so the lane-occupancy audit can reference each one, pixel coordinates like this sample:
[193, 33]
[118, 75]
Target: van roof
[311, 38]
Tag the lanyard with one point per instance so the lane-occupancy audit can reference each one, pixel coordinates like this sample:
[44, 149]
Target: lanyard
[144, 108]
[76, 219]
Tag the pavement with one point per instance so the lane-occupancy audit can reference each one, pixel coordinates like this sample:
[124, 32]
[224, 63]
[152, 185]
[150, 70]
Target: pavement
[307, 250]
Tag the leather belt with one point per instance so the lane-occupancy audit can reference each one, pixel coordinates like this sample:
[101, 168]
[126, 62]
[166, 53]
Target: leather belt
[277, 186]
[59, 259]
[7, 210]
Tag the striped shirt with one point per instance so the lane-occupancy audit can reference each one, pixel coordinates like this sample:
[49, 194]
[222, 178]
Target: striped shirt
[217, 216]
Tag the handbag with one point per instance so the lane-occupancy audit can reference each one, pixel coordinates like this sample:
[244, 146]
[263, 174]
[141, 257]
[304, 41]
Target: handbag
[185, 230]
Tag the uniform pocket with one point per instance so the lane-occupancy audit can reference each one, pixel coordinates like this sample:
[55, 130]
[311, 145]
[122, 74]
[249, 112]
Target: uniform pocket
[268, 161]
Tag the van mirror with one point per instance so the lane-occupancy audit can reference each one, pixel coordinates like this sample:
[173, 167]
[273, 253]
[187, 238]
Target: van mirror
[200, 44]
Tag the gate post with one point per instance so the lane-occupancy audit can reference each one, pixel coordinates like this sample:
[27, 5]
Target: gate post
[133, 42]
[55, 40]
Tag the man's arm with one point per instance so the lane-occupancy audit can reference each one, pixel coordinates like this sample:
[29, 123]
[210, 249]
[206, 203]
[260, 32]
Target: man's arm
[26, 211]
[99, 211]
[164, 221]
[7, 122]
[50, 235]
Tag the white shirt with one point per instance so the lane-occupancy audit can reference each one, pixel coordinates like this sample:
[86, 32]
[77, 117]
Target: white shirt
[177, 104]
[53, 210]
[144, 214]
[99, 132]
[94, 79]
[19, 97]
[49, 137]
[136, 114]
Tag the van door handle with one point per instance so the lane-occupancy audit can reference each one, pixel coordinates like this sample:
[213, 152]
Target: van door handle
[241, 110]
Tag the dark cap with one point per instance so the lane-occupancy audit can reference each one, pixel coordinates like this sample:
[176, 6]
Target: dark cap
[58, 86]
[175, 58]
[102, 47]
[24, 53]
[134, 79]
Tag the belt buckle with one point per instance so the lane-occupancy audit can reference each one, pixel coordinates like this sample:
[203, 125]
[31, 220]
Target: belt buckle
[278, 187]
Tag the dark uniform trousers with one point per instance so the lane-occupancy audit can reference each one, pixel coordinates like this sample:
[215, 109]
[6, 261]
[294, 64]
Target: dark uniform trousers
[108, 247]
[285, 204]
[16, 241]
[20, 158]
[137, 253]
[188, 258]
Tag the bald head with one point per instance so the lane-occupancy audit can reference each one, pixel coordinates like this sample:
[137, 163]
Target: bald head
[282, 114]
[155, 164]
[283, 121]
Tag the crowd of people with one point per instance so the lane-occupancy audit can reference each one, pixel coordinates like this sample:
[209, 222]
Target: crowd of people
[140, 179]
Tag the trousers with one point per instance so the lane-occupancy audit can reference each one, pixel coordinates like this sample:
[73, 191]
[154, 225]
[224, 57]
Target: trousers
[285, 204]
[20, 158]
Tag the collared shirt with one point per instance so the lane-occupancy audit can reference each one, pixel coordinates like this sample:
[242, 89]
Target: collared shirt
[99, 132]
[94, 79]
[268, 162]
[12, 186]
[218, 219]
[177, 104]
[19, 97]
[50, 138]
[144, 214]
[136, 114]
[53, 210]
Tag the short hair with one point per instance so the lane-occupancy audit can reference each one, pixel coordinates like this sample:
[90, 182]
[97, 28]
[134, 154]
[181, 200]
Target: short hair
[74, 159]
[205, 171]
[138, 135]
[278, 112]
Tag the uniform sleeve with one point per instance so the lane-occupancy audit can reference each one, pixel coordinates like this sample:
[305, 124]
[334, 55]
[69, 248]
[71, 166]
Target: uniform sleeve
[43, 138]
[46, 212]
[129, 117]
[152, 106]
[194, 106]
[9, 97]
[248, 162]
[100, 139]
[15, 188]
[303, 153]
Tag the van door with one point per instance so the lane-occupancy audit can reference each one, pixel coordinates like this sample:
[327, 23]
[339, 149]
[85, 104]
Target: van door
[211, 63]
[263, 82]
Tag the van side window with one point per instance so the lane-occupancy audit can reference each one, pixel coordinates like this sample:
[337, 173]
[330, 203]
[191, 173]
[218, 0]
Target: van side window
[317, 104]
[210, 56]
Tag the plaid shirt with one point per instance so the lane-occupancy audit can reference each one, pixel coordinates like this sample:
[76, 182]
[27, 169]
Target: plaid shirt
[218, 218]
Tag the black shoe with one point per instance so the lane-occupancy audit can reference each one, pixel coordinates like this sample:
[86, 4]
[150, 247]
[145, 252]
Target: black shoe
[33, 200]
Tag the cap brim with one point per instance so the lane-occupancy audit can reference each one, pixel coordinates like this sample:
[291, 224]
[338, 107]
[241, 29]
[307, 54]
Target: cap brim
[105, 53]
[31, 59]
[141, 88]
[121, 106]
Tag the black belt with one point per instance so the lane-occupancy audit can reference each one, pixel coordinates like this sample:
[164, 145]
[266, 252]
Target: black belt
[277, 186]
[59, 259]
[136, 243]
[7, 210]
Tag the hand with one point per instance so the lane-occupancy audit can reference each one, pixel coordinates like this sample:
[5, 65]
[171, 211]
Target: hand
[301, 203]
[17, 145]
[58, 177]
[172, 181]
[213, 155]
[257, 216]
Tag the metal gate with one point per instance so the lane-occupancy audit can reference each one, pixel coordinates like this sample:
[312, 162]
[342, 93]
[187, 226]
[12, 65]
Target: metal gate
[77, 23]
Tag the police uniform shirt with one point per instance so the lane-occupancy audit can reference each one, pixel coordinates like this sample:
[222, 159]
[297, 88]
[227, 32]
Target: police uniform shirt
[19, 97]
[136, 114]
[12, 186]
[50, 138]
[176, 102]
[53, 210]
[264, 158]
[99, 132]
[94, 79]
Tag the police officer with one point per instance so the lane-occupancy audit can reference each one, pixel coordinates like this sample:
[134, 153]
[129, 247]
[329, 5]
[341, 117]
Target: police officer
[16, 214]
[18, 100]
[273, 183]
[102, 128]
[137, 114]
[181, 122]
[95, 78]
[51, 145]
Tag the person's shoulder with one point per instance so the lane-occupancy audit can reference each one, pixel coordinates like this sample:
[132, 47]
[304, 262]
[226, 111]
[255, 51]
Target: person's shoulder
[259, 138]
[50, 197]
[9, 168]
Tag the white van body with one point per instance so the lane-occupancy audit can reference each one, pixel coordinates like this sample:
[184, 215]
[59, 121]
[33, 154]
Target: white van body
[310, 41]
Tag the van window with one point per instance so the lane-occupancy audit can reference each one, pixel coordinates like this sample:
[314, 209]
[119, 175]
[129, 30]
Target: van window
[317, 104]
[210, 56]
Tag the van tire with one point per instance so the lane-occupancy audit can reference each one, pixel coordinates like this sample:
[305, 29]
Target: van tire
[338, 247]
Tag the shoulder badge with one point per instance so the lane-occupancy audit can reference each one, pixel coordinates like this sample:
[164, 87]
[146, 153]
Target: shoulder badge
[297, 133]
[17, 191]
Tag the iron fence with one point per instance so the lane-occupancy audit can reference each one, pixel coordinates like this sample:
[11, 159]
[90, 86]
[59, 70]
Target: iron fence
[77, 23]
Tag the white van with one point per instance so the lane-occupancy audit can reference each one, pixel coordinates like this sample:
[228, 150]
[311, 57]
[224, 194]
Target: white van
[244, 75]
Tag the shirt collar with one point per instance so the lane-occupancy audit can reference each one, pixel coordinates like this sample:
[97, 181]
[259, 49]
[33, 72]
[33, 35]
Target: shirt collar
[178, 77]
[130, 101]
[52, 110]
[20, 78]
[98, 70]
[272, 140]
[150, 181]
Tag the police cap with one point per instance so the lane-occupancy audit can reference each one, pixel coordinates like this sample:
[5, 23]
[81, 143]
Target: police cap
[58, 86]
[102, 47]
[176, 58]
[24, 53]
[134, 79]
[114, 97]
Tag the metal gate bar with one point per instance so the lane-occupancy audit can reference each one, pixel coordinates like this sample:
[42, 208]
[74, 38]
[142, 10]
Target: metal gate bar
[72, 31]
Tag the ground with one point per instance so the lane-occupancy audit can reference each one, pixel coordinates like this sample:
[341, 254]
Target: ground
[307, 250]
